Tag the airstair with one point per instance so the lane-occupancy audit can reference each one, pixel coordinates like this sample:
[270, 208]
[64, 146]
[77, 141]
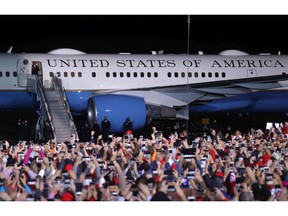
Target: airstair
[53, 106]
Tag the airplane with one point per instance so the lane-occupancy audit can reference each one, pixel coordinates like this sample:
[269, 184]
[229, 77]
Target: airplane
[140, 87]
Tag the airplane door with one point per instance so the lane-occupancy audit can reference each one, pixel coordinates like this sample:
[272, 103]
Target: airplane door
[251, 73]
[24, 69]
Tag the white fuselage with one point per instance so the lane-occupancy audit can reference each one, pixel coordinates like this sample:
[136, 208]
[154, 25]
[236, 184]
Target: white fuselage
[105, 72]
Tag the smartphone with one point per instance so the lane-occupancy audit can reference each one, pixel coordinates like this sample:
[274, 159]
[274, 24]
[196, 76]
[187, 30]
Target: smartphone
[86, 159]
[79, 187]
[170, 188]
[203, 162]
[110, 166]
[209, 138]
[190, 174]
[104, 171]
[39, 160]
[101, 163]
[191, 198]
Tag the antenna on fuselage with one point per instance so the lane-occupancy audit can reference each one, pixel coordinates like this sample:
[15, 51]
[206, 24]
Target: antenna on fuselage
[160, 52]
[10, 50]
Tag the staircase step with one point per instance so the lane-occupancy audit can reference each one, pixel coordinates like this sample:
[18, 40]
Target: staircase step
[60, 117]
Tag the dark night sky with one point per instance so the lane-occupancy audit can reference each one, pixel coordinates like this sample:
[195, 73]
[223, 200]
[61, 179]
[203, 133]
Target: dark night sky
[144, 33]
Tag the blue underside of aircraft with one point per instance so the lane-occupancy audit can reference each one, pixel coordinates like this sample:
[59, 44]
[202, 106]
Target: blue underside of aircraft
[251, 102]
[118, 107]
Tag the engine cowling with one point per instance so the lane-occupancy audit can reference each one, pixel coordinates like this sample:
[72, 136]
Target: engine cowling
[117, 108]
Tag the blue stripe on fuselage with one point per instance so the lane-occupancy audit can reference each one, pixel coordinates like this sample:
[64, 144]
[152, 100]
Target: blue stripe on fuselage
[22, 100]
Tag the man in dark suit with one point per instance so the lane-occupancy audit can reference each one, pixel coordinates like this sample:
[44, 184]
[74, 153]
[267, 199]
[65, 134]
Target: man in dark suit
[105, 128]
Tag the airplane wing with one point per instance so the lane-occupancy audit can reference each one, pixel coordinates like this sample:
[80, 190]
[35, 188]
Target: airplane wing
[181, 96]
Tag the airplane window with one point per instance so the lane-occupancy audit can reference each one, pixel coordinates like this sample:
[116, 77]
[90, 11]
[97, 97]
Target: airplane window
[7, 74]
[114, 74]
[148, 74]
[210, 74]
[72, 74]
[135, 74]
[142, 74]
[107, 74]
[203, 74]
[15, 74]
[189, 74]
[121, 74]
[183, 74]
[79, 74]
[216, 74]
[51, 74]
[176, 74]
[65, 74]
[223, 74]
[155, 74]
[58, 74]
[196, 74]
[93, 74]
[0, 73]
[128, 74]
[169, 74]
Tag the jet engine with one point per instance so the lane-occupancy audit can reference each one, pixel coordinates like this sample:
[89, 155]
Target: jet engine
[117, 108]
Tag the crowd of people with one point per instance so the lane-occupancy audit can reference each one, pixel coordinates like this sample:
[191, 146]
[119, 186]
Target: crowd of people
[213, 166]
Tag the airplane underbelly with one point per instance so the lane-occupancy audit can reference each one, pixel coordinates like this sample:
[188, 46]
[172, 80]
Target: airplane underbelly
[17, 100]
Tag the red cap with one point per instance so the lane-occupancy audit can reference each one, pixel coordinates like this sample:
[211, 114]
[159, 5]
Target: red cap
[68, 167]
[220, 174]
[173, 166]
[67, 197]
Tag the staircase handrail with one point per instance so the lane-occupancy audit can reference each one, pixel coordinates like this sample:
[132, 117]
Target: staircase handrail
[57, 85]
[43, 102]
